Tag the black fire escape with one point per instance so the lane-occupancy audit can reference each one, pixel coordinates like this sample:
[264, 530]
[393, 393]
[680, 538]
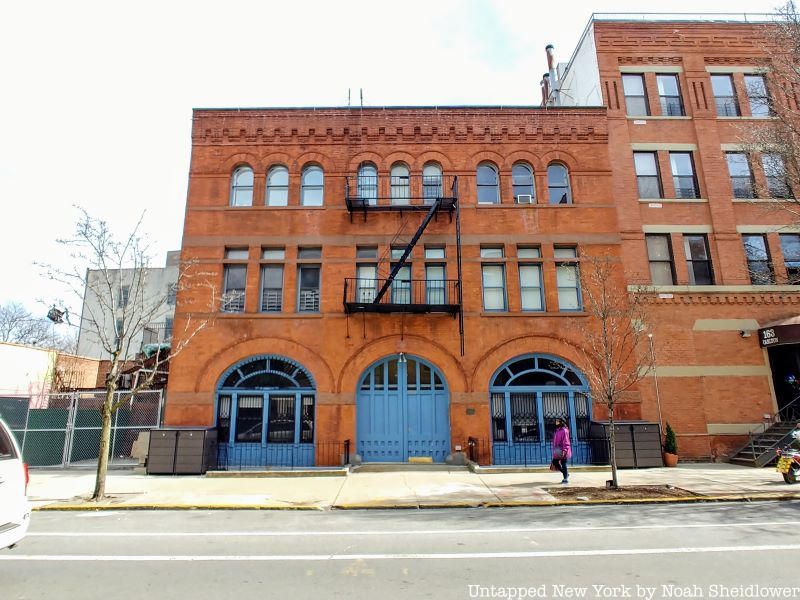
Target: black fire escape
[431, 196]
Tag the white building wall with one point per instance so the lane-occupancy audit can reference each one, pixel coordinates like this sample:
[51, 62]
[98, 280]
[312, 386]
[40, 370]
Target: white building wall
[157, 283]
[580, 80]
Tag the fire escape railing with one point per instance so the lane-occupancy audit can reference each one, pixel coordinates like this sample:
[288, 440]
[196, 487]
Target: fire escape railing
[404, 295]
[431, 194]
[368, 193]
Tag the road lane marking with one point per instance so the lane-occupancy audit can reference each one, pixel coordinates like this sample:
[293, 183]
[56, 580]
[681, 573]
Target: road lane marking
[498, 531]
[400, 556]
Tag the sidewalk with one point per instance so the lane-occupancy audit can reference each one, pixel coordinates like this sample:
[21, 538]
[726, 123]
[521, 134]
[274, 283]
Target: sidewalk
[456, 487]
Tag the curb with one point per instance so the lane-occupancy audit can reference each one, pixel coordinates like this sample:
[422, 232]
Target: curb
[101, 507]
[423, 505]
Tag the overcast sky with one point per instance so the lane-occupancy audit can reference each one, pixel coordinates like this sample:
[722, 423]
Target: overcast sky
[96, 96]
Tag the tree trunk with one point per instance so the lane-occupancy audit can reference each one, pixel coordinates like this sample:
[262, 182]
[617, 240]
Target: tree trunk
[612, 438]
[105, 445]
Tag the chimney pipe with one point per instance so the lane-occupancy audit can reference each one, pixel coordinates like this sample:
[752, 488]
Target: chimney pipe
[553, 98]
[549, 49]
[546, 89]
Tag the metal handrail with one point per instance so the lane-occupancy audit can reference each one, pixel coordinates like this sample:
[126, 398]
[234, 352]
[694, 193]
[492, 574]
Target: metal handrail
[778, 417]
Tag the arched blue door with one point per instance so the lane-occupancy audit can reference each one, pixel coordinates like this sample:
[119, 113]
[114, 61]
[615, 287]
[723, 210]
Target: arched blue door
[403, 411]
[265, 413]
[526, 395]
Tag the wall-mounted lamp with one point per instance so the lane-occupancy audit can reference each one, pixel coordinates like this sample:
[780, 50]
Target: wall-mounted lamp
[745, 333]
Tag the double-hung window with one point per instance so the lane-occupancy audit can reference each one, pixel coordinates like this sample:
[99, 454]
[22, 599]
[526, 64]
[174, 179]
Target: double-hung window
[758, 96]
[435, 273]
[568, 279]
[172, 294]
[272, 280]
[683, 177]
[278, 186]
[312, 186]
[530, 279]
[790, 246]
[659, 254]
[522, 181]
[648, 179]
[759, 266]
[124, 294]
[308, 277]
[488, 184]
[698, 259]
[635, 95]
[234, 280]
[775, 173]
[558, 188]
[242, 186]
[669, 95]
[366, 274]
[741, 176]
[724, 96]
[493, 278]
[400, 184]
[401, 286]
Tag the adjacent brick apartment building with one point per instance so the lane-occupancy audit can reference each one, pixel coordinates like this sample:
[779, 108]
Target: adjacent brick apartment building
[409, 277]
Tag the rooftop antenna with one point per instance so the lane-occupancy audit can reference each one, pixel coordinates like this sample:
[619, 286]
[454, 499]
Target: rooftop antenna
[361, 93]
[348, 97]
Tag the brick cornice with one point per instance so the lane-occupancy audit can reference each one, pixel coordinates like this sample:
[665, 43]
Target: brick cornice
[337, 126]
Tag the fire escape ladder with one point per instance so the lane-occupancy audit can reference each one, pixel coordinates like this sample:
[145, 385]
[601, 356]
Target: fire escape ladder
[407, 252]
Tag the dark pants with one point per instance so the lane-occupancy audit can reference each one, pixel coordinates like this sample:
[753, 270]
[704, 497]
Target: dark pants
[561, 465]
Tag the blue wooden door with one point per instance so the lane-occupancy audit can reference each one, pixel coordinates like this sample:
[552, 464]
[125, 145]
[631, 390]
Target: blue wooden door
[402, 411]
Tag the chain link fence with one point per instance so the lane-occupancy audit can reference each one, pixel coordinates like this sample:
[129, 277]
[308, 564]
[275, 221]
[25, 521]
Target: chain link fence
[63, 430]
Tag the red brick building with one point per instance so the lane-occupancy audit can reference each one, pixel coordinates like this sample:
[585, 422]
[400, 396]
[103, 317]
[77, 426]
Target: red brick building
[407, 278]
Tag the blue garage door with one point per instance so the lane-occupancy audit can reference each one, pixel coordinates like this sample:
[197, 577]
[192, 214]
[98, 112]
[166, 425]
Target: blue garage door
[403, 411]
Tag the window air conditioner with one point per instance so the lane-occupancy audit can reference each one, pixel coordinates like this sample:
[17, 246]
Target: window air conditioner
[524, 199]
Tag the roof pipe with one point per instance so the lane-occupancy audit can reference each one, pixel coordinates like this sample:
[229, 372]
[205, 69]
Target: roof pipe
[553, 95]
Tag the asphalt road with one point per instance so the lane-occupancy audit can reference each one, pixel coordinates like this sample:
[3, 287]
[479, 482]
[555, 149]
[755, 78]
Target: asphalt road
[674, 551]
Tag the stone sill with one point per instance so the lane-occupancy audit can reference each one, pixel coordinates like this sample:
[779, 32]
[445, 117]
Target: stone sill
[673, 200]
[713, 289]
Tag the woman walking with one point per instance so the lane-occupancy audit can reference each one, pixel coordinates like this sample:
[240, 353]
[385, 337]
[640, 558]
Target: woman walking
[562, 449]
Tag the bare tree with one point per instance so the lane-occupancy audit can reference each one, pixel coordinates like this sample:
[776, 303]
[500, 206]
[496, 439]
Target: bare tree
[19, 326]
[614, 342]
[775, 141]
[118, 307]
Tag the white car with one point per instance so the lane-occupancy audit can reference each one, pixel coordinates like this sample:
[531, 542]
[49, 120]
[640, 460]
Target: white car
[15, 511]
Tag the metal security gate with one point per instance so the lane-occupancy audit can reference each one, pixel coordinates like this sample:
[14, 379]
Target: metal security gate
[63, 430]
[526, 395]
[403, 411]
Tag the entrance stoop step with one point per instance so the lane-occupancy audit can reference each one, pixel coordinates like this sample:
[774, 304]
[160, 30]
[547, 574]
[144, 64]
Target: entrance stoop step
[395, 467]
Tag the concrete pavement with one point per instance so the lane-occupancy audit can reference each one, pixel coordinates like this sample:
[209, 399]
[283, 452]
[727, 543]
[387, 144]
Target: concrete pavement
[454, 487]
[595, 552]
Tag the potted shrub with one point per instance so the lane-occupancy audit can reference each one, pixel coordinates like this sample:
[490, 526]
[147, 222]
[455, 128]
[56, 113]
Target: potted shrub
[670, 453]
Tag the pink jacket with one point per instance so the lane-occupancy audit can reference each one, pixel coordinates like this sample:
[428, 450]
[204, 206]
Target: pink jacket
[561, 443]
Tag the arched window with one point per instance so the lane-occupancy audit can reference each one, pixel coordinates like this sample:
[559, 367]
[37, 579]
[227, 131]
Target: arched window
[401, 188]
[267, 372]
[312, 186]
[368, 183]
[242, 186]
[526, 396]
[278, 186]
[488, 184]
[266, 400]
[522, 179]
[431, 182]
[558, 184]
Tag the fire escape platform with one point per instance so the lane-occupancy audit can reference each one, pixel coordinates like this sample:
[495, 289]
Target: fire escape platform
[417, 296]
